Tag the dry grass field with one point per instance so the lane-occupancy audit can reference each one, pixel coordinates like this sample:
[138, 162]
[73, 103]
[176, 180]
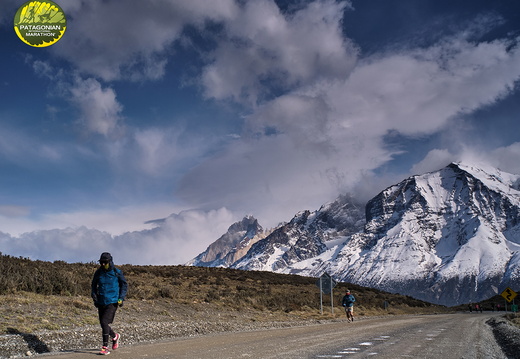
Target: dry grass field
[38, 295]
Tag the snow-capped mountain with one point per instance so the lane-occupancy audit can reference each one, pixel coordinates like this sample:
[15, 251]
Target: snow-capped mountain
[449, 237]
[307, 235]
[232, 246]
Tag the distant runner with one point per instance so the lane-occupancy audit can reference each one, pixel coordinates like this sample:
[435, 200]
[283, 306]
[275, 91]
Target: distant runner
[109, 289]
[348, 303]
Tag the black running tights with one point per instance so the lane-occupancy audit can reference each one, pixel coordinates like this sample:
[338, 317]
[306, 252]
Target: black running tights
[106, 317]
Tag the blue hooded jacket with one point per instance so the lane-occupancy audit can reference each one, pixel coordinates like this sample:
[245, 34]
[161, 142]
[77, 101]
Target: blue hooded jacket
[108, 286]
[348, 300]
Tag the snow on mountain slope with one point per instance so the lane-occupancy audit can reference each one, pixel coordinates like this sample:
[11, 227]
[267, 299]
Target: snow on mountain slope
[448, 237]
[451, 236]
[307, 235]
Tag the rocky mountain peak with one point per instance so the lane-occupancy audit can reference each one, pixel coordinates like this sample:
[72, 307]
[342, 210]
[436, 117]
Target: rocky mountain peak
[232, 245]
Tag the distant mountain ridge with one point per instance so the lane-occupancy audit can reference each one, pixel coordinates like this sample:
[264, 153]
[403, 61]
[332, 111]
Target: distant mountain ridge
[307, 235]
[231, 246]
[451, 236]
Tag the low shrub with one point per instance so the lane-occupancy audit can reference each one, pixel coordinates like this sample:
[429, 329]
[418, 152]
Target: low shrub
[233, 288]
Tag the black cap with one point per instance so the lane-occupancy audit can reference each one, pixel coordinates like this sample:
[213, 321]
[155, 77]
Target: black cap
[105, 257]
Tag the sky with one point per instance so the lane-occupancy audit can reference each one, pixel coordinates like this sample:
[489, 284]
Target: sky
[151, 126]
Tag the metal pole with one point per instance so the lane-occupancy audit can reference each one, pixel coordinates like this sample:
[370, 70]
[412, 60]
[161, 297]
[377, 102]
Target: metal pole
[331, 298]
[321, 296]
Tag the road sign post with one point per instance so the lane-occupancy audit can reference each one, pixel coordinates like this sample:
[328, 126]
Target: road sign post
[326, 283]
[321, 296]
[509, 295]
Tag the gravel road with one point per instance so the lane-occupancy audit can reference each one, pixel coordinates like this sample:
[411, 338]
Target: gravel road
[432, 336]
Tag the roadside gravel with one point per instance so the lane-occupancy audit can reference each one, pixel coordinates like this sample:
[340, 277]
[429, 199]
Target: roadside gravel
[17, 345]
[506, 335]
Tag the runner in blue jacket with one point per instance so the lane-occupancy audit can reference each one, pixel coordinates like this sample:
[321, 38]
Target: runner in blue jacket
[109, 289]
[348, 304]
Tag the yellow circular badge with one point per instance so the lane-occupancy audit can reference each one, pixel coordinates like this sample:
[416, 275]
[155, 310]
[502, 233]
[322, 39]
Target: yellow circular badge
[40, 23]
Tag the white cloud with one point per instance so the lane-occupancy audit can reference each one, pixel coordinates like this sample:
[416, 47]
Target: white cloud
[434, 160]
[179, 238]
[160, 151]
[71, 245]
[26, 150]
[421, 91]
[325, 134]
[273, 177]
[13, 211]
[503, 158]
[153, 157]
[156, 149]
[15, 219]
[100, 110]
[265, 48]
[98, 107]
[114, 221]
[507, 158]
[133, 36]
[43, 69]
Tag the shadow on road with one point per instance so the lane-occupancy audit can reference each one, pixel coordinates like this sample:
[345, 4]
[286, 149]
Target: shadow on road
[33, 342]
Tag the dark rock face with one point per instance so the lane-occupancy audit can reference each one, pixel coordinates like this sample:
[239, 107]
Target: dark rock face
[305, 236]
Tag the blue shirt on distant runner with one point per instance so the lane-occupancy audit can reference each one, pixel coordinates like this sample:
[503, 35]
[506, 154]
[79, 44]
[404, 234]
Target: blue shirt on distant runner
[348, 300]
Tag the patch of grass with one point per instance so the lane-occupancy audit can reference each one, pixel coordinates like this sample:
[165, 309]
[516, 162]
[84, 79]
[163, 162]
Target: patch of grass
[514, 318]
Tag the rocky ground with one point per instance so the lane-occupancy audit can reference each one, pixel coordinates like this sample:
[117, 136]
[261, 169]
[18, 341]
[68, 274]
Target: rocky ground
[19, 344]
[507, 336]
[143, 322]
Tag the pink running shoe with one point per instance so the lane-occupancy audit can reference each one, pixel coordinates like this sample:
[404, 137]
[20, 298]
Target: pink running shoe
[115, 342]
[104, 351]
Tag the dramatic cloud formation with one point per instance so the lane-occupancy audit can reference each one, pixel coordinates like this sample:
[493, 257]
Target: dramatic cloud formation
[326, 134]
[199, 113]
[264, 48]
[134, 38]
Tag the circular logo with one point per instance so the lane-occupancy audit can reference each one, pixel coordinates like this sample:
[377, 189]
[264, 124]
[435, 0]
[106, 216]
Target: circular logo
[40, 23]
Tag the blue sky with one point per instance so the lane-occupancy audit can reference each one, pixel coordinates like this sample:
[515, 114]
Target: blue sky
[202, 112]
